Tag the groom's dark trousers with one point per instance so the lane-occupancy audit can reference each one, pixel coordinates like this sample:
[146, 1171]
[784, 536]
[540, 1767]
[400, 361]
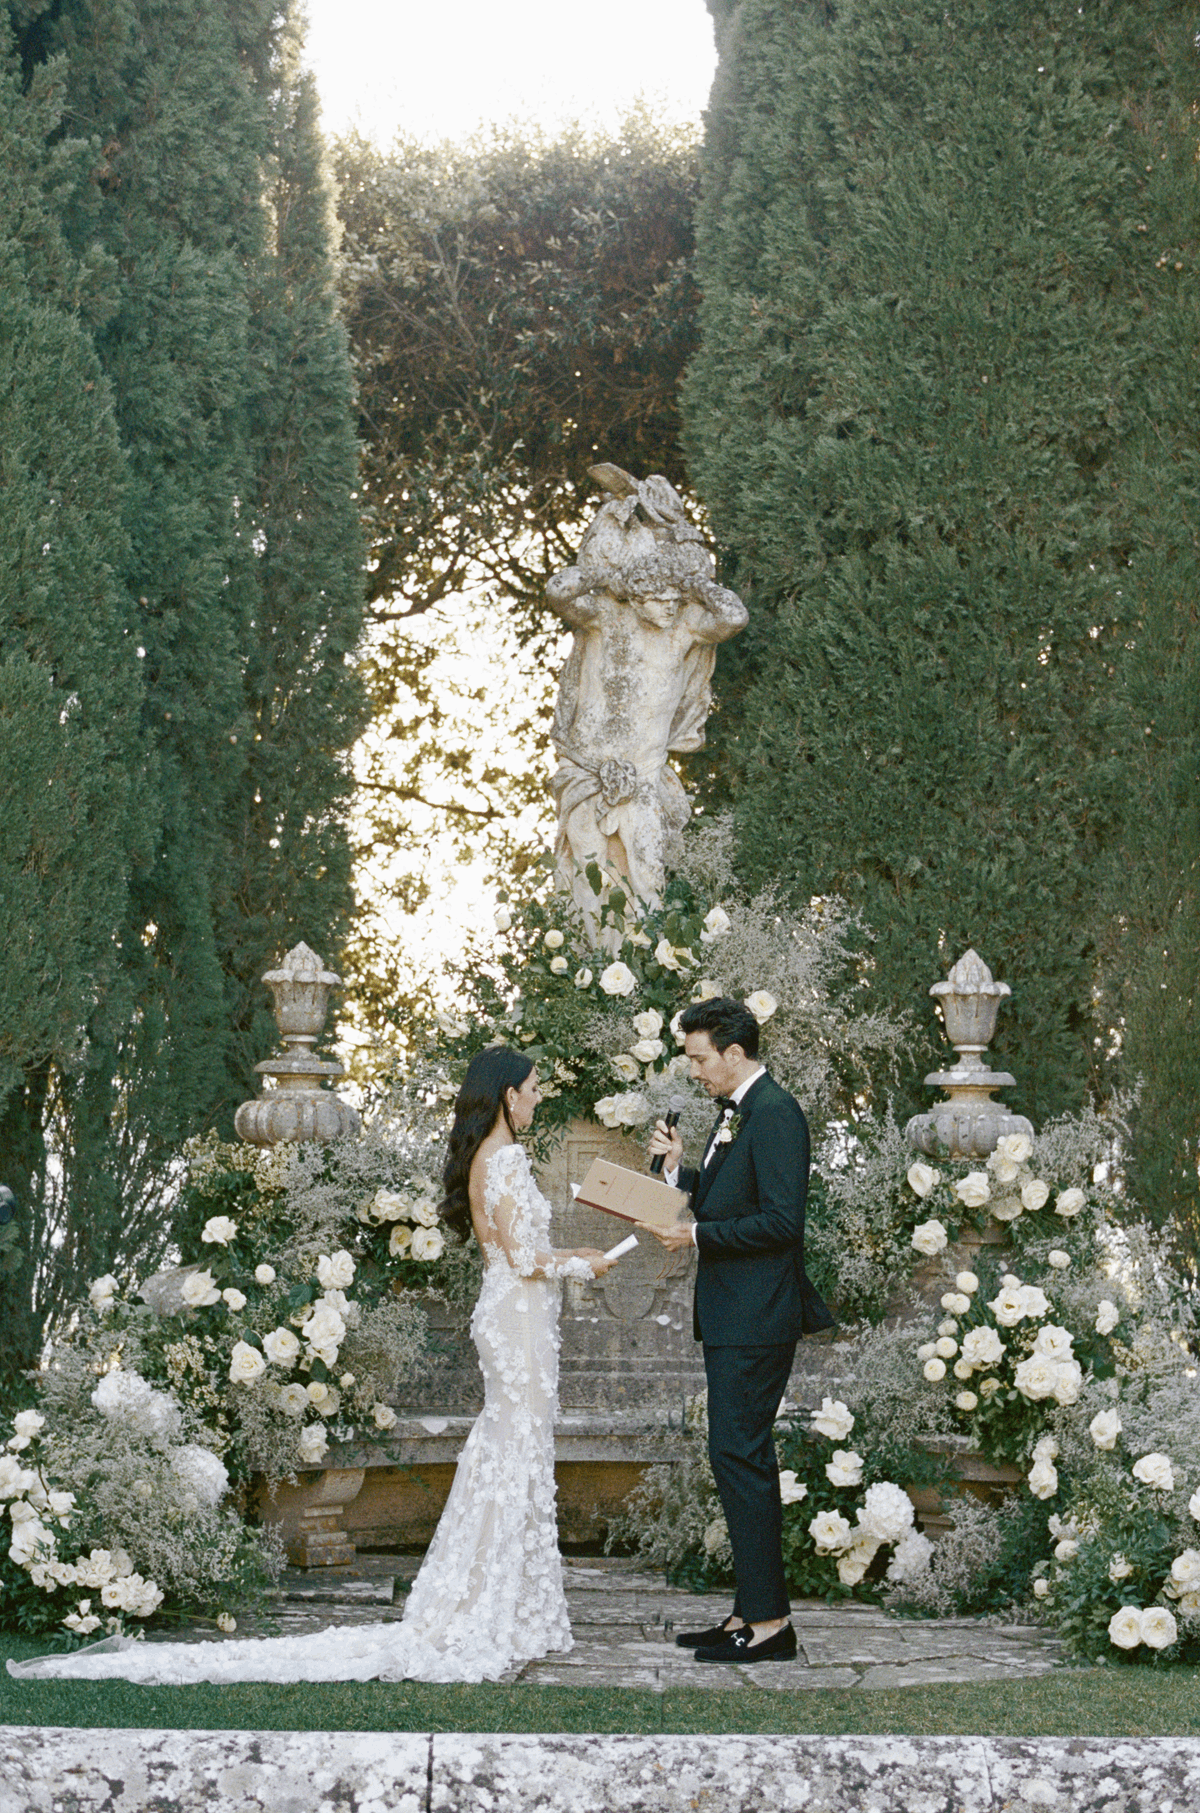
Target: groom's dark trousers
[753, 1302]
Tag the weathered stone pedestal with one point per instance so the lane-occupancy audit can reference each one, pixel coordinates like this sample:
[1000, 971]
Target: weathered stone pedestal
[309, 1516]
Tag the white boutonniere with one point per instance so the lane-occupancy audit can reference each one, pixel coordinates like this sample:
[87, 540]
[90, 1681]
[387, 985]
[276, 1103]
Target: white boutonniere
[729, 1131]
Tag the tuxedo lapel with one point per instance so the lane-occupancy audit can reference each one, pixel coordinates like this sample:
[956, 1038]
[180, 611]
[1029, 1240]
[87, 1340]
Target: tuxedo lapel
[741, 1114]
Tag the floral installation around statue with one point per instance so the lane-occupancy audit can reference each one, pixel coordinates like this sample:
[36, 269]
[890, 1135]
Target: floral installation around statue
[601, 1019]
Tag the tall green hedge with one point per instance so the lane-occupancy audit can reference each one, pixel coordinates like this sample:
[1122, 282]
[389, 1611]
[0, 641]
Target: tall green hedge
[930, 339]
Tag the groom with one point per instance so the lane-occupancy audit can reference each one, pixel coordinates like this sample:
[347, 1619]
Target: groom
[753, 1301]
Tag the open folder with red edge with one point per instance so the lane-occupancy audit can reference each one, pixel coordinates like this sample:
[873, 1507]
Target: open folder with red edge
[631, 1195]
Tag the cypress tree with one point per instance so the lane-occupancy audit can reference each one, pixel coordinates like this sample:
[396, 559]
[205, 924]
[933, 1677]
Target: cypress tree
[75, 801]
[923, 352]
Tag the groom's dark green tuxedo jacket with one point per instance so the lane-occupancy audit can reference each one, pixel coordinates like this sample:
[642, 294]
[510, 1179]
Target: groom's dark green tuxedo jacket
[751, 1286]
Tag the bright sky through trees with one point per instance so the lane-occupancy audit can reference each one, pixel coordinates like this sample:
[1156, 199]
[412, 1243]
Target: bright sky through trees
[438, 71]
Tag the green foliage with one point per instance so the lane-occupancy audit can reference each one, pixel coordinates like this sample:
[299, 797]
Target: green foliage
[182, 585]
[928, 375]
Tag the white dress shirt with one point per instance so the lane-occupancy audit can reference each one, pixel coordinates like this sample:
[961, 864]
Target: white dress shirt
[672, 1177]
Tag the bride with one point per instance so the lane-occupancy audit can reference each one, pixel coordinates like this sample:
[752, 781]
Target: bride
[489, 1594]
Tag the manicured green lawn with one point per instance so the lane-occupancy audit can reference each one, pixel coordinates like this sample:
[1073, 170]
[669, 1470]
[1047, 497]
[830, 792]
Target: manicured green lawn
[1108, 1702]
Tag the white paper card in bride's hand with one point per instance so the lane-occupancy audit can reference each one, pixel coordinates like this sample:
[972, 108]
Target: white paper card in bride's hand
[622, 1247]
[631, 1195]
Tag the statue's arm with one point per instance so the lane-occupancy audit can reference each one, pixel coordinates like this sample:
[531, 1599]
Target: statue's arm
[568, 597]
[717, 612]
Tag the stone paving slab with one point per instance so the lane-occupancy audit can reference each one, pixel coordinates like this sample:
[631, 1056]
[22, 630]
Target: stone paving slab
[624, 1623]
[52, 1770]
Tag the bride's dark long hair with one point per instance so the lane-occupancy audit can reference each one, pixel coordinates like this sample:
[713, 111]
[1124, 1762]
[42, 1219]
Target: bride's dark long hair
[489, 1075]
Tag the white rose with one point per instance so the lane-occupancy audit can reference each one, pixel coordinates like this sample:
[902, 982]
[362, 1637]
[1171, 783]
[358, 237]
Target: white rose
[664, 954]
[245, 1363]
[677, 1032]
[503, 919]
[647, 1050]
[967, 1282]
[956, 1303]
[926, 1350]
[218, 1230]
[28, 1422]
[1193, 1504]
[1034, 1193]
[281, 1347]
[974, 1189]
[1041, 1589]
[707, 989]
[1107, 1317]
[638, 939]
[1119, 1568]
[791, 1489]
[988, 1387]
[1005, 1170]
[102, 1291]
[389, 1205]
[384, 1415]
[400, 1240]
[1155, 1470]
[845, 1468]
[428, 1244]
[583, 977]
[1069, 1203]
[1034, 1303]
[1015, 1146]
[264, 1274]
[618, 979]
[832, 1419]
[198, 1290]
[226, 1622]
[830, 1532]
[1066, 1550]
[962, 1369]
[324, 1327]
[945, 1347]
[853, 1565]
[1159, 1629]
[554, 940]
[717, 924]
[605, 1111]
[1058, 1259]
[762, 1005]
[934, 1370]
[293, 1400]
[346, 1380]
[313, 1443]
[982, 1347]
[966, 1400]
[1006, 1208]
[1185, 1570]
[921, 1178]
[234, 1298]
[625, 1066]
[1036, 1377]
[1045, 1448]
[559, 966]
[929, 1238]
[1055, 1342]
[648, 1024]
[317, 1392]
[335, 1270]
[425, 1212]
[1069, 1383]
[1007, 1308]
[1043, 1479]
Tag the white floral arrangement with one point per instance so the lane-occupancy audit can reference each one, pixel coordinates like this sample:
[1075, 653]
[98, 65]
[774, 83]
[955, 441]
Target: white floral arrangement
[113, 1514]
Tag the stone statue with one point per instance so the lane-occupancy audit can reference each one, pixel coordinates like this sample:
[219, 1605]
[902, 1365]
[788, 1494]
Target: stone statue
[647, 615]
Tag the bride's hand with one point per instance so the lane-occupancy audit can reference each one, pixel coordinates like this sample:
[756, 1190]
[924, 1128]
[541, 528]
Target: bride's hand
[595, 1259]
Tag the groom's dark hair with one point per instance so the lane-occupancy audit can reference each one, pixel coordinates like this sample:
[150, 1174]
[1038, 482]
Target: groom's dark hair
[727, 1022]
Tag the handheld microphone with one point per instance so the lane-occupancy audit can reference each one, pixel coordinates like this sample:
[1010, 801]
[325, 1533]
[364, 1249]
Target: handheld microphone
[674, 1112]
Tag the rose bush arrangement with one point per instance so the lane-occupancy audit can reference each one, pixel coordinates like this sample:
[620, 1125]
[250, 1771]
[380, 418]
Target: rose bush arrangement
[113, 1514]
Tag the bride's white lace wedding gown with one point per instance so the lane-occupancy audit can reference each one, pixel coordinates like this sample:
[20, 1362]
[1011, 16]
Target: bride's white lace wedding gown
[489, 1594]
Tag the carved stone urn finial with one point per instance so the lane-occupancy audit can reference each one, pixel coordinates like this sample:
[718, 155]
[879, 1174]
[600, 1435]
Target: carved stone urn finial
[968, 1124]
[300, 1107]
